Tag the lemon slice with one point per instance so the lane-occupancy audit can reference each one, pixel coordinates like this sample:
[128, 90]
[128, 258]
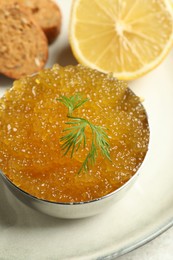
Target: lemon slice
[128, 38]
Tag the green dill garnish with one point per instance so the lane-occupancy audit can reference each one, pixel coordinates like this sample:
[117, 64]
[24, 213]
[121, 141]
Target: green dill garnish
[73, 102]
[76, 137]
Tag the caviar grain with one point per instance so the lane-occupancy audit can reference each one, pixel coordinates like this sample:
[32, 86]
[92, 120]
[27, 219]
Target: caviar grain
[32, 122]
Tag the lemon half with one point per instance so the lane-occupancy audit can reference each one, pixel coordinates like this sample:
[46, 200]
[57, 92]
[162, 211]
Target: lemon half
[126, 37]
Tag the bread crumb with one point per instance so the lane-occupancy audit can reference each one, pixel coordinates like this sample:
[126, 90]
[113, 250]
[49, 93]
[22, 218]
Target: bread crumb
[37, 62]
[24, 20]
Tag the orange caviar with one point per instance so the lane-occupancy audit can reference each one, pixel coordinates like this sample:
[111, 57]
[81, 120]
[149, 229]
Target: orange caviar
[32, 122]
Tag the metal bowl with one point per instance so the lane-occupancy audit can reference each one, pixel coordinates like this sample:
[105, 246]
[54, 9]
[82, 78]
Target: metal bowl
[71, 210]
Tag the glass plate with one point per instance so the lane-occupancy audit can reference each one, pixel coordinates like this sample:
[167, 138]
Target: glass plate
[146, 210]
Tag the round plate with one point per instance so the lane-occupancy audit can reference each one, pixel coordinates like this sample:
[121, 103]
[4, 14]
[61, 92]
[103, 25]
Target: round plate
[141, 215]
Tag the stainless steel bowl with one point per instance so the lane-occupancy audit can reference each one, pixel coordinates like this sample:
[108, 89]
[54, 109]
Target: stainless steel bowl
[76, 209]
[71, 210]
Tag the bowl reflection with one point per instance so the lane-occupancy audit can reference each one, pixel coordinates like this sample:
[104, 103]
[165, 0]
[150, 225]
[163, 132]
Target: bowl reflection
[71, 210]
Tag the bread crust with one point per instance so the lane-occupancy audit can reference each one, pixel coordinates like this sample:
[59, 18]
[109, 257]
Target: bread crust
[23, 45]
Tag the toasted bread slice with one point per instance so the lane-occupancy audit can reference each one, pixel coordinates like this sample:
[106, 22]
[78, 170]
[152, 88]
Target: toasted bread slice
[23, 45]
[47, 14]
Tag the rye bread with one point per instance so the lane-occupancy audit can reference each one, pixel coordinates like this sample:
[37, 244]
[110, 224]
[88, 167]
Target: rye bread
[47, 14]
[23, 45]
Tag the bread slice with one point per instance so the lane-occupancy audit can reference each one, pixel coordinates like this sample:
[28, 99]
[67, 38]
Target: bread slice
[47, 14]
[23, 45]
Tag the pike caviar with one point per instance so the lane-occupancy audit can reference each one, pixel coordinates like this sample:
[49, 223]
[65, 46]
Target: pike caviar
[32, 121]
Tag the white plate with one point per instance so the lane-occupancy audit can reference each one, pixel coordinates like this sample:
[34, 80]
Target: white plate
[144, 213]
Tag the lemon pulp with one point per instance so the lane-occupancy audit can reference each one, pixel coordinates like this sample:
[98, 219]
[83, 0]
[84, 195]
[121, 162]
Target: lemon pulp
[128, 38]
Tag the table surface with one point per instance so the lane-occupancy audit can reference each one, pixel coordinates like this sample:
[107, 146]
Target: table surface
[160, 248]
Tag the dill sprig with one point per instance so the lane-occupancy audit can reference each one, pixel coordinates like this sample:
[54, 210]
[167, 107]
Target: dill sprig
[76, 136]
[73, 102]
